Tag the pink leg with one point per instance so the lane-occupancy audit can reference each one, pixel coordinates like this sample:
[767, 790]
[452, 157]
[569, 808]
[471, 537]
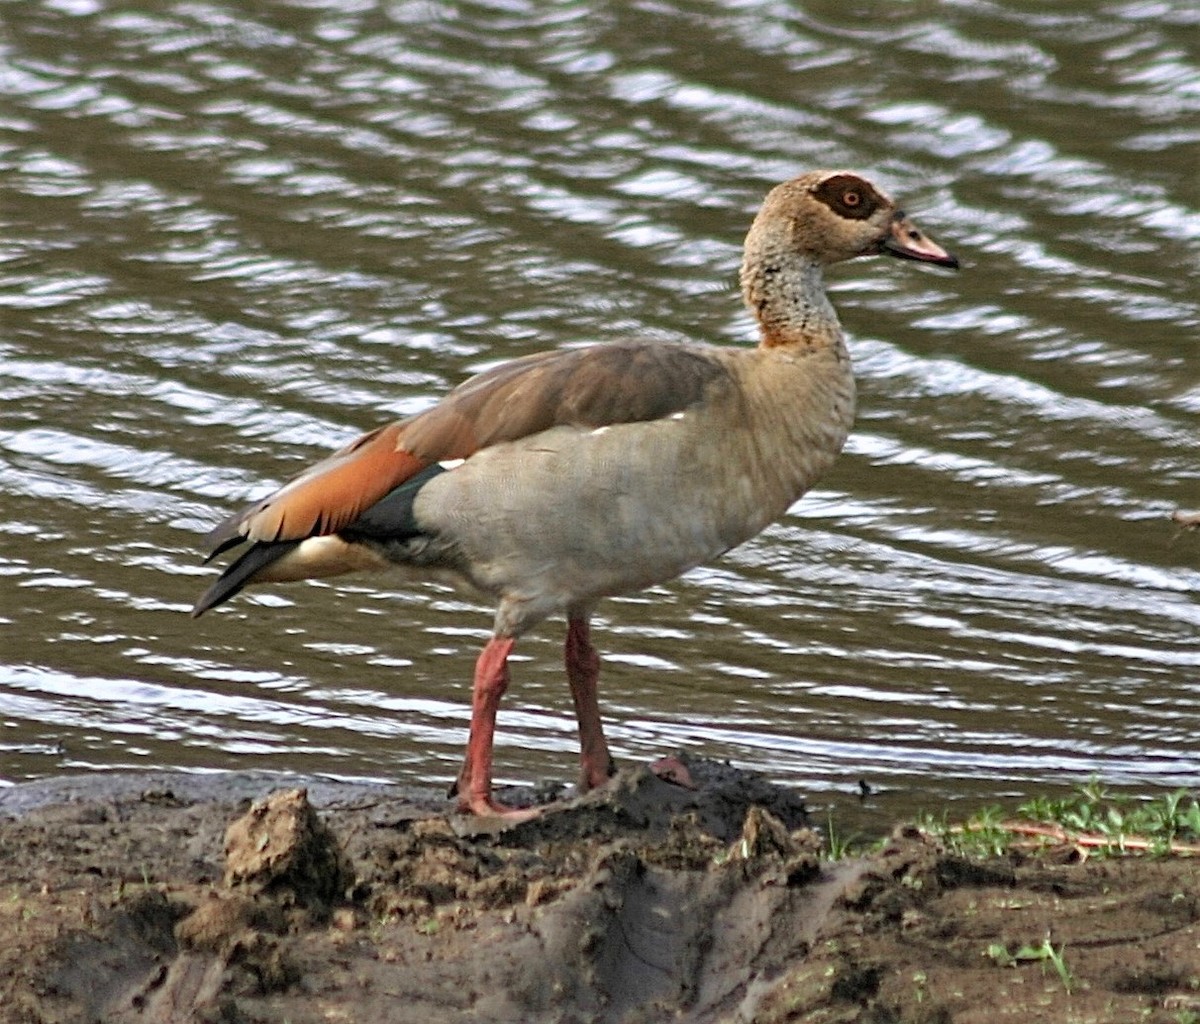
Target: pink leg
[583, 672]
[475, 780]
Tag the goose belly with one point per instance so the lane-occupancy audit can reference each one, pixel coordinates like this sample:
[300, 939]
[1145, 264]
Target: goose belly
[571, 515]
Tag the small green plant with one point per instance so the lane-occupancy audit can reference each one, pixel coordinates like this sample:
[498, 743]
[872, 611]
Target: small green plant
[1044, 952]
[919, 979]
[1094, 819]
[838, 846]
[981, 835]
[1120, 823]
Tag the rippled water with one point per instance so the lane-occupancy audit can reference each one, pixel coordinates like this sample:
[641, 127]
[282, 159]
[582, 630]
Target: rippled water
[234, 235]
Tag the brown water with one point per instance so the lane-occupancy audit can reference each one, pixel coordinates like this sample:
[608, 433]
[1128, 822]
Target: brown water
[235, 234]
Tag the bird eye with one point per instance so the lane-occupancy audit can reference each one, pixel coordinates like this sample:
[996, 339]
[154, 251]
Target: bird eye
[851, 199]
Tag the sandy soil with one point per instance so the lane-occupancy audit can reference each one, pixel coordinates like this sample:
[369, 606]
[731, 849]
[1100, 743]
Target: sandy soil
[175, 899]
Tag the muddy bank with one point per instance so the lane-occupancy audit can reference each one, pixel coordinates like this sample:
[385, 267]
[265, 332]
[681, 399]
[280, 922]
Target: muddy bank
[176, 898]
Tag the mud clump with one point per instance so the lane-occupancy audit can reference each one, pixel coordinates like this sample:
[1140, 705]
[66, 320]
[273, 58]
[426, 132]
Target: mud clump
[281, 848]
[637, 903]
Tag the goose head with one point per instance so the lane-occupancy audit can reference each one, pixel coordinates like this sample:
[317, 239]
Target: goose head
[825, 217]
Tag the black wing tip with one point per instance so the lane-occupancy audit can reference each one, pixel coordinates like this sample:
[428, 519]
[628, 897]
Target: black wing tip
[223, 588]
[207, 600]
[240, 572]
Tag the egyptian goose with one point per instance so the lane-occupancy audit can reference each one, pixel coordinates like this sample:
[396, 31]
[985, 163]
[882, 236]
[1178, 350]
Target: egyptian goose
[563, 477]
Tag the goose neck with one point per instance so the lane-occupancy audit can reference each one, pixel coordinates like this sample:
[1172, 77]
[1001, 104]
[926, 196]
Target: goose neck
[786, 294]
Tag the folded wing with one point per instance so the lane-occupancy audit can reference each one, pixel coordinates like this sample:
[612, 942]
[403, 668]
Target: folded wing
[590, 387]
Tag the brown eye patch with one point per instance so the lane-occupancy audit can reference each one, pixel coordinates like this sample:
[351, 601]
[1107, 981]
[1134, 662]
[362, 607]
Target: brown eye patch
[848, 196]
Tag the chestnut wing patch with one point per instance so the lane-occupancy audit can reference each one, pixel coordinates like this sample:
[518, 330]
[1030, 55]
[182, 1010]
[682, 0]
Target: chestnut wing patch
[325, 497]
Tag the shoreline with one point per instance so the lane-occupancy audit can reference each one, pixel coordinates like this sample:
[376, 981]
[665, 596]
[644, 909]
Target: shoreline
[178, 896]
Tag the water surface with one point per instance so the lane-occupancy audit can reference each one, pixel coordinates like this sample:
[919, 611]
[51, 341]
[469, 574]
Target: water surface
[236, 235]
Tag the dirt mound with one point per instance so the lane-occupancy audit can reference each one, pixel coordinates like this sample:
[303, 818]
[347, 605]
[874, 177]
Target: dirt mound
[642, 902]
